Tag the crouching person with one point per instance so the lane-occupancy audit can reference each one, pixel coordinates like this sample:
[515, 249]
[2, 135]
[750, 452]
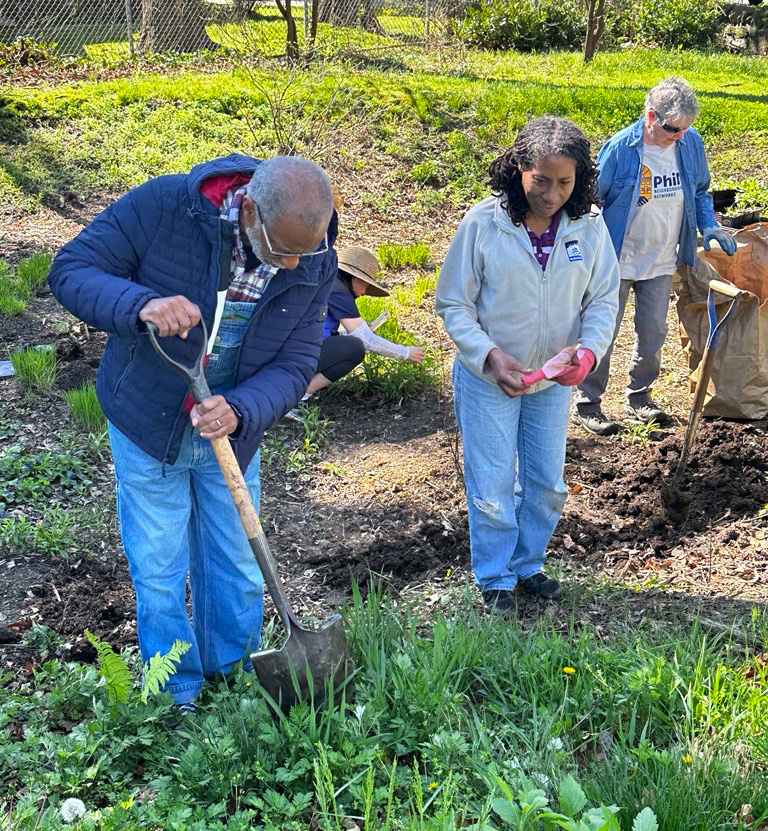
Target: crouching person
[357, 276]
[530, 271]
[245, 243]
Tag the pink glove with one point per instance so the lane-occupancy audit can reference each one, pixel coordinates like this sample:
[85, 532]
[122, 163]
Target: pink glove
[583, 361]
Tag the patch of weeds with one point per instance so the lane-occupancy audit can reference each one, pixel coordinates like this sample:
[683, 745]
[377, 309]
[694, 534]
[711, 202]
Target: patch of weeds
[28, 479]
[640, 434]
[17, 288]
[282, 450]
[32, 272]
[35, 368]
[392, 255]
[425, 173]
[85, 408]
[52, 534]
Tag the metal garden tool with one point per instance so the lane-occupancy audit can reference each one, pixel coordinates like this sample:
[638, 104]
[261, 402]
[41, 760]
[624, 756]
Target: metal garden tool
[310, 662]
[674, 501]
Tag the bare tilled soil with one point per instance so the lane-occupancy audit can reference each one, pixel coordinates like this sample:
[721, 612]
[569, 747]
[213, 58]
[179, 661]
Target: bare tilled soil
[385, 502]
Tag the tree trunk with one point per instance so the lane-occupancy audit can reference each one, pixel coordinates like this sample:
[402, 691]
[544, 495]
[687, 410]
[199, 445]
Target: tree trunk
[173, 26]
[595, 25]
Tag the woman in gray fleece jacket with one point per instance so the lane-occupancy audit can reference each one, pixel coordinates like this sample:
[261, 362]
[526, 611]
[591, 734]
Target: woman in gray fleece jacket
[530, 271]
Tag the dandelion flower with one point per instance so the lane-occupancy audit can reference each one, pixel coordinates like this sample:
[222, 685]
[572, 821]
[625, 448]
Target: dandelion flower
[432, 786]
[687, 759]
[72, 809]
[449, 572]
[569, 670]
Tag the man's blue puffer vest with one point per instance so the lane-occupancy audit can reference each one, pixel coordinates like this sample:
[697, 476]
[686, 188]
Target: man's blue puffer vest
[161, 239]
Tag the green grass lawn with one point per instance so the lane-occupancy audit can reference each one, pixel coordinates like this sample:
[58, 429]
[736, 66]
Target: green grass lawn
[88, 136]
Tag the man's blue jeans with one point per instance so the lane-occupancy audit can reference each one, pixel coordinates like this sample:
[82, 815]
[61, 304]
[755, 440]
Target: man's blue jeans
[180, 519]
[514, 454]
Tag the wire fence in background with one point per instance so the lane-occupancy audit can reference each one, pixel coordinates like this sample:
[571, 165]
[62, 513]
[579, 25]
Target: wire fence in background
[110, 29]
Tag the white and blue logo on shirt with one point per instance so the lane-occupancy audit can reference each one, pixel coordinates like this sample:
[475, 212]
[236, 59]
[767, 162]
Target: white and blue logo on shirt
[573, 251]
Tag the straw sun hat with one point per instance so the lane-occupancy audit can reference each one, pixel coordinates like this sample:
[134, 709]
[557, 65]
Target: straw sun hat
[360, 262]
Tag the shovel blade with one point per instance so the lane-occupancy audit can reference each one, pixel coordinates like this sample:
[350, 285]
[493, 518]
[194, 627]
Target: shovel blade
[306, 666]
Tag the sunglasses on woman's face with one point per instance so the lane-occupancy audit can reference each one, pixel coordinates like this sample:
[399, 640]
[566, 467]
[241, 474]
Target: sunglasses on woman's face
[669, 129]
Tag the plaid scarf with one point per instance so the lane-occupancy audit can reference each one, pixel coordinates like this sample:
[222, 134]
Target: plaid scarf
[246, 286]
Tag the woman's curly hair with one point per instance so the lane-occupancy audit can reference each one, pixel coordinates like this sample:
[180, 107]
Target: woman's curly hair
[542, 137]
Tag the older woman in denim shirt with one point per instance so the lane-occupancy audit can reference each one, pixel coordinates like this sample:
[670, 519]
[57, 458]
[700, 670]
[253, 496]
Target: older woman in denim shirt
[654, 182]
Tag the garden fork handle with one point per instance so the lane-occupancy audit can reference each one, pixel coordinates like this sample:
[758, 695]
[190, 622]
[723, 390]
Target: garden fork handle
[238, 490]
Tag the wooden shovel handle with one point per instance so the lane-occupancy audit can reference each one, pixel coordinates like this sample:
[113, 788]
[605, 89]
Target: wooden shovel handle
[237, 487]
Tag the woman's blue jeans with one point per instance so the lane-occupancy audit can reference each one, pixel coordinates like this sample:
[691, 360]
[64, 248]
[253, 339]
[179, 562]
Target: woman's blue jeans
[514, 454]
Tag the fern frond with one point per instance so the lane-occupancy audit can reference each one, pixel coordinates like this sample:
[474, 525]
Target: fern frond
[113, 669]
[161, 667]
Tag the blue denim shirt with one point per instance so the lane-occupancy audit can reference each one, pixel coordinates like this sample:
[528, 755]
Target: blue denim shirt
[619, 163]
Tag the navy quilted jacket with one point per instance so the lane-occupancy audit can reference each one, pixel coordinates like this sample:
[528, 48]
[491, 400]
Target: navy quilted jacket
[161, 239]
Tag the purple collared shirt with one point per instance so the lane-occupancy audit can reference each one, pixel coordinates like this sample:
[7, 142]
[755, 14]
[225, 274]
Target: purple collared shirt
[542, 245]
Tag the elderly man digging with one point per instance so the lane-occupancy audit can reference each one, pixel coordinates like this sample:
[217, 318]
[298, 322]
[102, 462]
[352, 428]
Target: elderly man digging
[245, 243]
[654, 182]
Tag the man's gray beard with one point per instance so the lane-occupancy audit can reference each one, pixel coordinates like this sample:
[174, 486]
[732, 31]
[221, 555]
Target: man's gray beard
[254, 241]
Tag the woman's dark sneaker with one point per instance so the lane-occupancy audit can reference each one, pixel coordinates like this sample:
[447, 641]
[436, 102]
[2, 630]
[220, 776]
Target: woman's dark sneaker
[539, 585]
[645, 410]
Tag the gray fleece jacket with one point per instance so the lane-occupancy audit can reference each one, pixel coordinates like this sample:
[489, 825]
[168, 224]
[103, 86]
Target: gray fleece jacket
[493, 292]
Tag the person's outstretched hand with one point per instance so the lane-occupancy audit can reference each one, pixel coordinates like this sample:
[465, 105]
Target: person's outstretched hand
[727, 242]
[415, 354]
[505, 368]
[583, 361]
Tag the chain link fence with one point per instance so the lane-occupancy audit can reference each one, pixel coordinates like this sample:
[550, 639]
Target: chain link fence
[109, 29]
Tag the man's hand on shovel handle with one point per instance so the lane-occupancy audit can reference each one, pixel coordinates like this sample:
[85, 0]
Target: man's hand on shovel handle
[172, 315]
[507, 371]
[214, 418]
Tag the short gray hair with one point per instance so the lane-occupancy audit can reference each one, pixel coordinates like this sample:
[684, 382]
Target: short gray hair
[673, 100]
[295, 187]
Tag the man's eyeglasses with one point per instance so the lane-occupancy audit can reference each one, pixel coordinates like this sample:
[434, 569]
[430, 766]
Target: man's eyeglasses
[321, 249]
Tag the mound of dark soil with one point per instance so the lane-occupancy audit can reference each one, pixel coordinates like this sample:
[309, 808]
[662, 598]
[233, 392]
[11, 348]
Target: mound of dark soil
[627, 488]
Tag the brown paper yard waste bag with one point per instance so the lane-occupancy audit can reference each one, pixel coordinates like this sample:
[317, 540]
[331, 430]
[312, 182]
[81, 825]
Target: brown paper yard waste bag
[739, 384]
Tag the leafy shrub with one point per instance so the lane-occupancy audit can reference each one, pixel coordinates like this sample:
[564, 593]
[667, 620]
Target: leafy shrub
[524, 24]
[528, 25]
[670, 24]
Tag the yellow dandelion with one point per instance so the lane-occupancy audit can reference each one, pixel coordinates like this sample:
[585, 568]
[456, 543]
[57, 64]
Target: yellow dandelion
[569, 670]
[432, 786]
[687, 759]
[248, 683]
[449, 572]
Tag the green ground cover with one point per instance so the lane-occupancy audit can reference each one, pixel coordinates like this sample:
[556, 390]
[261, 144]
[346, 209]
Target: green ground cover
[438, 128]
[462, 723]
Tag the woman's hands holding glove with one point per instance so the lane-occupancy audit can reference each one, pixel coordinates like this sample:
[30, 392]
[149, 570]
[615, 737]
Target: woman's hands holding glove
[727, 242]
[582, 363]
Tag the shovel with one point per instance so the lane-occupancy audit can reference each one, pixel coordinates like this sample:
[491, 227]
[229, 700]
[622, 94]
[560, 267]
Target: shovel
[676, 503]
[309, 662]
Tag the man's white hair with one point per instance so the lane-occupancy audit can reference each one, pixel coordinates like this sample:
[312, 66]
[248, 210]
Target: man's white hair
[290, 186]
[673, 100]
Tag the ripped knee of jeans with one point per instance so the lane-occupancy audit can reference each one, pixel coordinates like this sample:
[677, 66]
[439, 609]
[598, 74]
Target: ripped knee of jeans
[491, 509]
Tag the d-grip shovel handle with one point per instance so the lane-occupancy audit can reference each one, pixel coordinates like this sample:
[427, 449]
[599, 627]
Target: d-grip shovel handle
[198, 386]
